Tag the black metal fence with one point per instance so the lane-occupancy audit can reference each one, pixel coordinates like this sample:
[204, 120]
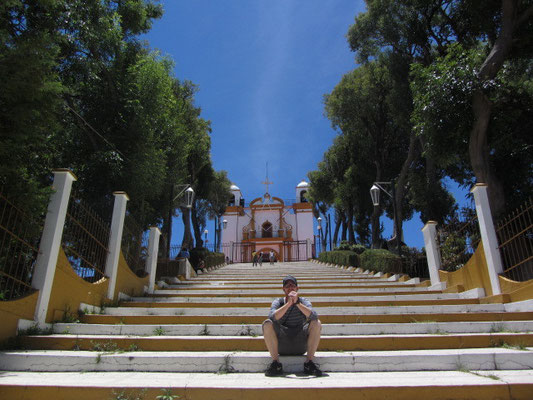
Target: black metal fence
[458, 239]
[20, 234]
[85, 240]
[296, 250]
[515, 236]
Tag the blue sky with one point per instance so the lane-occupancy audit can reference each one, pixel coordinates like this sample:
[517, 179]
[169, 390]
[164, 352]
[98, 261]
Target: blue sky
[262, 68]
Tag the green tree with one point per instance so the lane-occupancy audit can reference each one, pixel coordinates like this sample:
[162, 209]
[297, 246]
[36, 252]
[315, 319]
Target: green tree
[363, 106]
[30, 104]
[218, 198]
[423, 31]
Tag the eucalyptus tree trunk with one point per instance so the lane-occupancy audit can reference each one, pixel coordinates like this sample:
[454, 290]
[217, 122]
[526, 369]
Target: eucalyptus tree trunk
[402, 181]
[482, 106]
[187, 241]
[349, 225]
[344, 228]
[338, 222]
[196, 227]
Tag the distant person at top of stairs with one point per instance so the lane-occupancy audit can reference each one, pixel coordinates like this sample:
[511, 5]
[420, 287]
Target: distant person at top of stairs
[254, 258]
[292, 328]
[260, 260]
[271, 257]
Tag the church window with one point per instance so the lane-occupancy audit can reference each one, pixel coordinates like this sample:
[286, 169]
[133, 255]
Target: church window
[266, 230]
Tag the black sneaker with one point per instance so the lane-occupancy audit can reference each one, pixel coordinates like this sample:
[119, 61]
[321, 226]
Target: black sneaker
[274, 369]
[310, 368]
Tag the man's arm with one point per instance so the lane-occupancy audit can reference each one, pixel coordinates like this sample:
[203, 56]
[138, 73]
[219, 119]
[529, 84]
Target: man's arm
[280, 310]
[305, 307]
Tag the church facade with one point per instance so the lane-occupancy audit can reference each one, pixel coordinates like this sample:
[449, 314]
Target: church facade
[268, 224]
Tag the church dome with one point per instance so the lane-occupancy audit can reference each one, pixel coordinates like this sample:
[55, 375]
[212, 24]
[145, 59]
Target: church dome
[303, 184]
[234, 187]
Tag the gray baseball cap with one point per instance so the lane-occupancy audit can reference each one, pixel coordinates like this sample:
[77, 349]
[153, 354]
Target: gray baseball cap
[290, 278]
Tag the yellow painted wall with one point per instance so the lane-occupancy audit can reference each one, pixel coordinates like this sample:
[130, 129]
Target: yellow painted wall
[127, 281]
[69, 290]
[473, 275]
[517, 291]
[13, 310]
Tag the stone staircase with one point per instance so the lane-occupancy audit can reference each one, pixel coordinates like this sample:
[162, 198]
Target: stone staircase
[201, 339]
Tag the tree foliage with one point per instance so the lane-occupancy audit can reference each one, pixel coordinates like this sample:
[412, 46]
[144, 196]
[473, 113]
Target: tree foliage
[443, 89]
[82, 92]
[481, 39]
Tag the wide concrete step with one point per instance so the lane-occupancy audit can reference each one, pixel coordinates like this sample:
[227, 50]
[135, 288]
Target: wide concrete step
[206, 342]
[391, 301]
[427, 385]
[303, 282]
[315, 285]
[487, 359]
[327, 329]
[254, 310]
[326, 319]
[277, 292]
[313, 298]
[302, 278]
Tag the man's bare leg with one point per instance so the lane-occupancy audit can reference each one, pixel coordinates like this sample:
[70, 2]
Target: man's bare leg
[315, 328]
[271, 339]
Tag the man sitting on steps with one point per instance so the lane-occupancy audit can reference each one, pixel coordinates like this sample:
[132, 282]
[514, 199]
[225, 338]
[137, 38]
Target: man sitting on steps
[292, 328]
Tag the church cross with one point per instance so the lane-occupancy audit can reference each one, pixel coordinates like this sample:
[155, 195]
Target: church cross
[267, 182]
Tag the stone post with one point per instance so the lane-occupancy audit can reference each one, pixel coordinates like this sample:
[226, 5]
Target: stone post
[488, 235]
[115, 241]
[151, 260]
[45, 266]
[432, 251]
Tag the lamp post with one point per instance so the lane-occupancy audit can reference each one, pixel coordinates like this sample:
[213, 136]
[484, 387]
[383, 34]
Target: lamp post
[374, 193]
[189, 197]
[216, 233]
[329, 232]
[319, 233]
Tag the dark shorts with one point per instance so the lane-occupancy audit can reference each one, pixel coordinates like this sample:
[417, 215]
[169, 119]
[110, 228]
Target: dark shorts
[291, 341]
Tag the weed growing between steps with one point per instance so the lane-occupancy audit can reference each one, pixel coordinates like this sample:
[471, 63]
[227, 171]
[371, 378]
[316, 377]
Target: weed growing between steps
[140, 394]
[496, 328]
[159, 331]
[500, 328]
[167, 395]
[111, 347]
[247, 330]
[462, 368]
[204, 331]
[36, 330]
[106, 347]
[69, 316]
[226, 367]
[518, 346]
[15, 343]
[129, 395]
[108, 303]
[426, 321]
